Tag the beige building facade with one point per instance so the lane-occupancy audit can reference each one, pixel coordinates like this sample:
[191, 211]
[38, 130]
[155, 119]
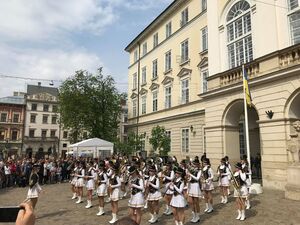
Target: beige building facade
[185, 74]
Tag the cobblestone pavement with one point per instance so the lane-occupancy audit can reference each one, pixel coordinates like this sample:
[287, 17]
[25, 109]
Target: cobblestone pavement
[56, 207]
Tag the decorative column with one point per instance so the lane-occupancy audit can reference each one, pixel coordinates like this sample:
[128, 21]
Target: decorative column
[292, 188]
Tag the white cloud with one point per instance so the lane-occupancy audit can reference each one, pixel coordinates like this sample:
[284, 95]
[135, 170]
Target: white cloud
[43, 64]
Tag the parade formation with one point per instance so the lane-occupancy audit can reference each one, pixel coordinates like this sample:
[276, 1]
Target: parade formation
[181, 185]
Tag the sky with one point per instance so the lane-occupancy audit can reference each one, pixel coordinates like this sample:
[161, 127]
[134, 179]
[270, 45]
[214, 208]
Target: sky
[51, 39]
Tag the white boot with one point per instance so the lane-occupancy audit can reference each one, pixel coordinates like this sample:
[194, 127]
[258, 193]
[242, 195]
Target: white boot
[89, 204]
[180, 223]
[228, 191]
[225, 200]
[155, 218]
[74, 196]
[176, 222]
[167, 210]
[146, 205]
[239, 214]
[125, 194]
[243, 216]
[222, 199]
[101, 211]
[248, 206]
[79, 200]
[207, 207]
[210, 208]
[114, 218]
[193, 217]
[197, 218]
[151, 219]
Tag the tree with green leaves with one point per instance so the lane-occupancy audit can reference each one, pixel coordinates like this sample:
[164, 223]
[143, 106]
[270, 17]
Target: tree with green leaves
[130, 146]
[90, 103]
[160, 141]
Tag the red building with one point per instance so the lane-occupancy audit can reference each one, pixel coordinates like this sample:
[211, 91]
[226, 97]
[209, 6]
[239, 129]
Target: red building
[12, 114]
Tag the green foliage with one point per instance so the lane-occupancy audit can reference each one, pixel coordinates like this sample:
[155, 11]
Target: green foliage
[160, 141]
[129, 147]
[90, 103]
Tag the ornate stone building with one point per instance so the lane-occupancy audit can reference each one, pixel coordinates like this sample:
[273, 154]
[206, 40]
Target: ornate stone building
[185, 74]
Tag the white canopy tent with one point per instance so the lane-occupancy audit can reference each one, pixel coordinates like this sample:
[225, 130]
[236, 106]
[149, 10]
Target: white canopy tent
[94, 147]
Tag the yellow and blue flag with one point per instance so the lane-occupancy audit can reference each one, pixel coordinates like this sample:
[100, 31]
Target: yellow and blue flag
[246, 88]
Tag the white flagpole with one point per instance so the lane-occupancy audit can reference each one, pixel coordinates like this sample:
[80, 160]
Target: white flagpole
[246, 119]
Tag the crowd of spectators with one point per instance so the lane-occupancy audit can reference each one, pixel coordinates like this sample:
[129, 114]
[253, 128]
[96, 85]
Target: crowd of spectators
[16, 172]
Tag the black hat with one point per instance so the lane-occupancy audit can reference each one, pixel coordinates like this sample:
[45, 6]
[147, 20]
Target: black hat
[132, 170]
[152, 168]
[168, 163]
[115, 167]
[196, 161]
[238, 165]
[223, 160]
[36, 165]
[183, 162]
[101, 164]
[206, 160]
[179, 170]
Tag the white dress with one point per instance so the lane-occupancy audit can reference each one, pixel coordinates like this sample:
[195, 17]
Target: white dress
[35, 190]
[243, 191]
[115, 195]
[80, 180]
[155, 195]
[208, 185]
[178, 200]
[224, 176]
[194, 186]
[137, 199]
[74, 180]
[167, 180]
[90, 184]
[102, 188]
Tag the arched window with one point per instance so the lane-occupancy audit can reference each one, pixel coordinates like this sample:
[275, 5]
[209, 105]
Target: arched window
[239, 36]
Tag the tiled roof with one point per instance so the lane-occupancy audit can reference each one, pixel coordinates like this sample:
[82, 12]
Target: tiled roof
[35, 89]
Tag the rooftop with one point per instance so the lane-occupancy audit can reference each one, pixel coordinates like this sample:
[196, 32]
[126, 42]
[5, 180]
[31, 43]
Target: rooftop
[14, 100]
[36, 89]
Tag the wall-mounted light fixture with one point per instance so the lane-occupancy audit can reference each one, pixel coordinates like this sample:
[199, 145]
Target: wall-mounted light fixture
[191, 128]
[270, 114]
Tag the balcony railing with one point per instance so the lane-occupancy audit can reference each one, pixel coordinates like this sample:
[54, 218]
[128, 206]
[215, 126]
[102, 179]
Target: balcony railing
[273, 62]
[39, 139]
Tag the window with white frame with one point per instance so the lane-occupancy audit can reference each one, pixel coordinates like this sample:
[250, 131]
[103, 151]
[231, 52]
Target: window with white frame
[293, 4]
[134, 108]
[155, 40]
[144, 75]
[204, 34]
[168, 62]
[144, 104]
[185, 91]
[154, 101]
[168, 29]
[204, 80]
[154, 69]
[204, 4]
[135, 55]
[3, 117]
[144, 48]
[184, 17]
[168, 97]
[185, 140]
[239, 35]
[185, 51]
[134, 81]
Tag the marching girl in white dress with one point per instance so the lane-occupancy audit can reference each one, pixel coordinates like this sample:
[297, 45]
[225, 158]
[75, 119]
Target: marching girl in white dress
[194, 190]
[80, 181]
[90, 184]
[114, 190]
[74, 180]
[224, 181]
[34, 187]
[154, 194]
[227, 163]
[178, 201]
[207, 185]
[240, 191]
[168, 177]
[109, 173]
[245, 167]
[102, 188]
[136, 201]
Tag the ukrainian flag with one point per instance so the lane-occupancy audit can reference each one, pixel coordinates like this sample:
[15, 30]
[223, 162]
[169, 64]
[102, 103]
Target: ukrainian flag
[246, 87]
